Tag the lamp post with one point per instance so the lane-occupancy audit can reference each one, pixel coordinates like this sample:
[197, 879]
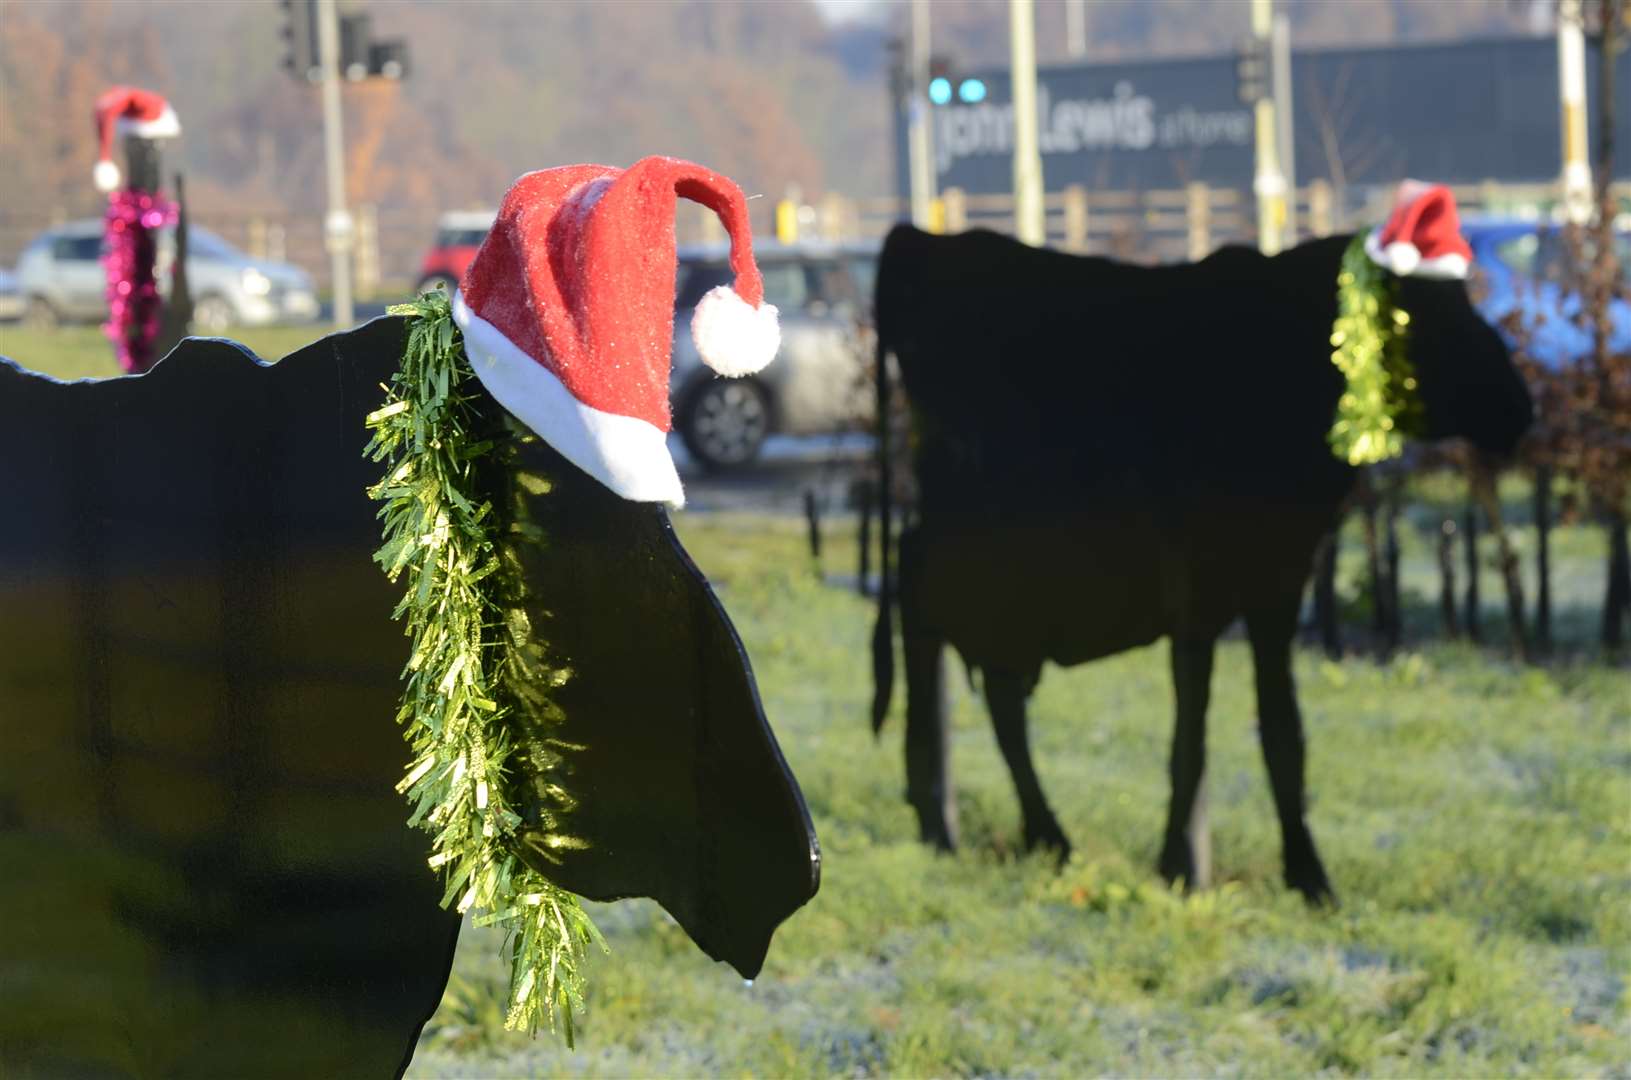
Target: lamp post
[1571, 92]
[1029, 223]
[338, 231]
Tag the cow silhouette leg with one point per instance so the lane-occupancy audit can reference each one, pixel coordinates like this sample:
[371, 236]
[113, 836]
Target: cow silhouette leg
[1005, 694]
[1280, 730]
[1186, 853]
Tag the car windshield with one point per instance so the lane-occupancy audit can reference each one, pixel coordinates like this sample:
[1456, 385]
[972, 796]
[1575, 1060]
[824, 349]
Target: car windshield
[1543, 255]
[785, 284]
[205, 244]
[446, 238]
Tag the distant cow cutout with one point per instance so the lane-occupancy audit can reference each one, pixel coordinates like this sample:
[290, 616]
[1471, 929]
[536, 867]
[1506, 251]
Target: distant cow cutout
[208, 870]
[1108, 454]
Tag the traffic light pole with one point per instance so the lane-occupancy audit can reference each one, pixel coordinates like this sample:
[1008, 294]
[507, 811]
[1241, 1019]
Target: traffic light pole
[338, 231]
[920, 148]
[1269, 183]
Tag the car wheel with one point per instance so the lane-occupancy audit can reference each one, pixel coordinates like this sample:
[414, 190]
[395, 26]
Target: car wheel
[40, 315]
[725, 422]
[446, 282]
[212, 313]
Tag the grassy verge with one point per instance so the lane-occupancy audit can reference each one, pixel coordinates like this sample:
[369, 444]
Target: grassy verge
[1475, 817]
[82, 352]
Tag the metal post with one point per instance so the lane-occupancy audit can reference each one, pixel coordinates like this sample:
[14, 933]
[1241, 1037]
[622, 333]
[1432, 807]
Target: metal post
[1076, 29]
[1269, 184]
[920, 144]
[1029, 224]
[1284, 116]
[337, 226]
[1571, 88]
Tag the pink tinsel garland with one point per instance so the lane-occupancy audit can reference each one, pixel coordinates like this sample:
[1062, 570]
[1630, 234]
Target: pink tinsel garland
[131, 230]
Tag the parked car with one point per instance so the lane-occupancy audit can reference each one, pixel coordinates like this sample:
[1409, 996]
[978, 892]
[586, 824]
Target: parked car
[1518, 263]
[813, 387]
[816, 384]
[458, 235]
[62, 280]
[11, 297]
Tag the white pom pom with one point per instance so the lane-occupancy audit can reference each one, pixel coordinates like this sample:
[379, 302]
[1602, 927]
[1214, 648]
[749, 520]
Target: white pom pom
[106, 175]
[733, 337]
[1402, 258]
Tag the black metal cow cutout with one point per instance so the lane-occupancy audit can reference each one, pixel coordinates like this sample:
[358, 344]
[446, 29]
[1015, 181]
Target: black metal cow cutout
[1108, 454]
[204, 863]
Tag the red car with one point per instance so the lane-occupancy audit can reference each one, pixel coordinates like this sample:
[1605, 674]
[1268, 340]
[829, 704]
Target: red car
[458, 235]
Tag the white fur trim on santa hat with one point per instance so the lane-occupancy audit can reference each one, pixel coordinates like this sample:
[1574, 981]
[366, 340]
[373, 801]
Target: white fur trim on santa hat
[733, 337]
[164, 126]
[1405, 260]
[106, 175]
[628, 455]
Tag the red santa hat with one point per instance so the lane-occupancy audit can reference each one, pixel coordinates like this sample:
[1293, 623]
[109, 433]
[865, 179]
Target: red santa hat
[568, 311]
[127, 110]
[1422, 236]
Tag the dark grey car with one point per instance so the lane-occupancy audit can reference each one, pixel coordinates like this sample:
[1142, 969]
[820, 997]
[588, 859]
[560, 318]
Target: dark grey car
[815, 384]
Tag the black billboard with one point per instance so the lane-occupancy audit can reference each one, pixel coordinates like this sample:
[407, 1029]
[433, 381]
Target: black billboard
[1458, 113]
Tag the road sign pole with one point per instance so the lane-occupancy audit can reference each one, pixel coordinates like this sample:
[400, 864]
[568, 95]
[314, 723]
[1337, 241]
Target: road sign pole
[1284, 119]
[1269, 183]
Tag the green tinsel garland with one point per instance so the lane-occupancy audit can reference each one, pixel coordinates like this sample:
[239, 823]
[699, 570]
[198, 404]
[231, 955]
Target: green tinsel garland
[1379, 405]
[475, 701]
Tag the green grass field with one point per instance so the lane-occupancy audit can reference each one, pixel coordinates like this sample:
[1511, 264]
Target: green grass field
[82, 352]
[1475, 817]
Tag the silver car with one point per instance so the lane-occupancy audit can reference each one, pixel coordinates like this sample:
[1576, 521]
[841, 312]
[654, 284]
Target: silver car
[815, 386]
[61, 277]
[11, 297]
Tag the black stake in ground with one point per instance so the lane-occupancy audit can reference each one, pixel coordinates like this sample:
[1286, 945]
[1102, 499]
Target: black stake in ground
[1617, 599]
[1390, 562]
[1543, 559]
[1446, 572]
[812, 516]
[1469, 536]
[863, 536]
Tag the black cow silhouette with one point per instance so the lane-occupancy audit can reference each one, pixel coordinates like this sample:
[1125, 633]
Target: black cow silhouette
[1108, 454]
[207, 866]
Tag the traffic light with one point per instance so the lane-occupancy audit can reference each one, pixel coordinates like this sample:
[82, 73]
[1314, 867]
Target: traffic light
[388, 59]
[300, 57]
[945, 84]
[940, 75]
[1252, 70]
[361, 57]
[356, 31]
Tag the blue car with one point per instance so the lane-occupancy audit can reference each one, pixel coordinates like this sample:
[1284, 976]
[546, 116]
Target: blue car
[1518, 263]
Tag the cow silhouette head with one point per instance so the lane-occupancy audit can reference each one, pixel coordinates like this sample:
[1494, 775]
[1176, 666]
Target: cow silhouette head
[1469, 385]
